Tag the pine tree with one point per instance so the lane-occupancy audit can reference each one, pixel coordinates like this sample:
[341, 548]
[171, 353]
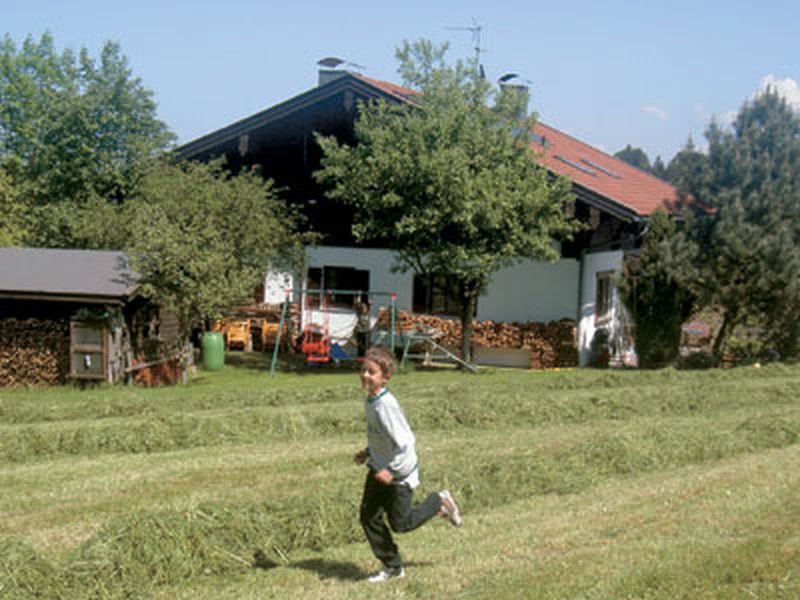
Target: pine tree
[746, 250]
[658, 305]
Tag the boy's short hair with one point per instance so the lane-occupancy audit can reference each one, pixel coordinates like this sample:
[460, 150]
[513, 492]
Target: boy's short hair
[384, 358]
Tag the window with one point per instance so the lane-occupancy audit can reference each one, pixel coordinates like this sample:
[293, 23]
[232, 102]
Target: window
[339, 278]
[88, 356]
[604, 296]
[437, 294]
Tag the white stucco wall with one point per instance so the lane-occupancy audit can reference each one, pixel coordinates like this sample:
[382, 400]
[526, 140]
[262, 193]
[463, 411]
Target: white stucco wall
[532, 291]
[378, 262]
[592, 265]
[527, 291]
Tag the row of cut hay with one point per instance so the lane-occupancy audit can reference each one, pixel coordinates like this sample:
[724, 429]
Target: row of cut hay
[110, 402]
[21, 406]
[446, 407]
[166, 433]
[135, 555]
[602, 455]
[25, 574]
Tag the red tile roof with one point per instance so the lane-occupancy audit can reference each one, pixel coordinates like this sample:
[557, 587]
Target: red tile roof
[601, 173]
[584, 165]
[392, 89]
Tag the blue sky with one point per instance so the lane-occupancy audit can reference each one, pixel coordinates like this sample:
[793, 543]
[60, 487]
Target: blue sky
[610, 73]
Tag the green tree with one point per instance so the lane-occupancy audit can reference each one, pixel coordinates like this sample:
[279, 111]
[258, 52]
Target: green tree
[634, 156]
[657, 303]
[12, 211]
[659, 169]
[79, 127]
[745, 252]
[449, 182]
[202, 239]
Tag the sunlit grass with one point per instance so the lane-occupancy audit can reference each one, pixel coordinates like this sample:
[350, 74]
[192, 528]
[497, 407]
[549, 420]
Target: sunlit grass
[577, 484]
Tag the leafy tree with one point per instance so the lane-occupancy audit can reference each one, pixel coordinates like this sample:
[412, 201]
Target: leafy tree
[745, 253]
[450, 183]
[657, 303]
[634, 156]
[201, 239]
[92, 224]
[12, 211]
[79, 127]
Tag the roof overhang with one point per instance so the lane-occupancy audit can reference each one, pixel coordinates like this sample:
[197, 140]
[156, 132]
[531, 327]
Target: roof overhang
[73, 298]
[607, 205]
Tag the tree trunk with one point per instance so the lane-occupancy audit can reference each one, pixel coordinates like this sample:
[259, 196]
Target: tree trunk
[722, 335]
[469, 300]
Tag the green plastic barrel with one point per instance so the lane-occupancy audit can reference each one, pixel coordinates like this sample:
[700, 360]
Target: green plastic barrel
[213, 351]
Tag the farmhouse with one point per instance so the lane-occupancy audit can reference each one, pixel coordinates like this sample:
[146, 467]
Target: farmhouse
[613, 198]
[74, 314]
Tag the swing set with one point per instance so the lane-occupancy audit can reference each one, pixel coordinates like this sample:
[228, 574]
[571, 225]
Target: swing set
[317, 343]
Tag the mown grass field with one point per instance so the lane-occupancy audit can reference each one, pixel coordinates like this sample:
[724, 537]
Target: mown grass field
[573, 484]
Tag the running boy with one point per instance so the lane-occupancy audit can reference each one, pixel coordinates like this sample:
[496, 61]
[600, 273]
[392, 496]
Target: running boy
[393, 470]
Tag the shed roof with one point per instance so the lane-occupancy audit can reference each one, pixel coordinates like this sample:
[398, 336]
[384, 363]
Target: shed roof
[80, 274]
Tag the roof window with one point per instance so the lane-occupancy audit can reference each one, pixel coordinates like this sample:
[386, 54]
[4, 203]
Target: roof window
[539, 139]
[608, 172]
[575, 165]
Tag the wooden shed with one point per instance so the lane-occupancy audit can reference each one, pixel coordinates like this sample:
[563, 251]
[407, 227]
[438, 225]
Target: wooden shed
[75, 314]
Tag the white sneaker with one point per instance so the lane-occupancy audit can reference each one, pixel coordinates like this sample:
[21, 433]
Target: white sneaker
[385, 574]
[450, 508]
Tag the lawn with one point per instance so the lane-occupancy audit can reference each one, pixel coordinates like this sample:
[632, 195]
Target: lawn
[573, 484]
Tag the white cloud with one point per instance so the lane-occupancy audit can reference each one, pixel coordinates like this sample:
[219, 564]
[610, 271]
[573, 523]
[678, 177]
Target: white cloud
[656, 111]
[787, 88]
[727, 118]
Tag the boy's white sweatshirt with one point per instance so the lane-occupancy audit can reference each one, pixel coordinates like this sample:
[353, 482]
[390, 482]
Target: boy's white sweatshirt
[391, 441]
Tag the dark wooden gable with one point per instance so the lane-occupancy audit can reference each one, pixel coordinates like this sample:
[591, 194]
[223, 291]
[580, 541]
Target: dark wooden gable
[280, 143]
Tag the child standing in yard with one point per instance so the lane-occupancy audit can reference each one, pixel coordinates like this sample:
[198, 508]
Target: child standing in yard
[363, 328]
[393, 470]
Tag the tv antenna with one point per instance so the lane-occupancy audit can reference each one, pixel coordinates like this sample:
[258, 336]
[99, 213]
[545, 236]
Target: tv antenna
[475, 30]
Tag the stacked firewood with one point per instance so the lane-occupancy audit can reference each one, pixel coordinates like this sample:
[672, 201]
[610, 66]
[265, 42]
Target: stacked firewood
[33, 352]
[551, 344]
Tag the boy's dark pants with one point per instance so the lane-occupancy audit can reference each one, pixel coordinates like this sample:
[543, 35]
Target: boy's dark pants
[395, 501]
[362, 341]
